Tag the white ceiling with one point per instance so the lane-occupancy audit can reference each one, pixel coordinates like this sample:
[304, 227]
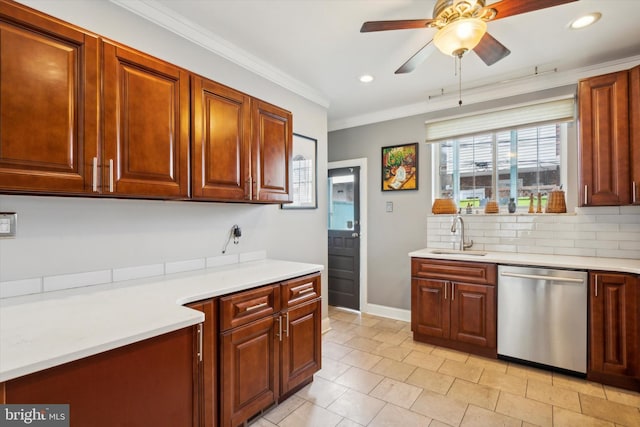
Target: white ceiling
[314, 48]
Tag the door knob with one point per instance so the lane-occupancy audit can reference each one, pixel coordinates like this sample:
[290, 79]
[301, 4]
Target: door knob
[354, 234]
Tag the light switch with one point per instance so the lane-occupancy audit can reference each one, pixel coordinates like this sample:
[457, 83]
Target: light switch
[8, 222]
[389, 206]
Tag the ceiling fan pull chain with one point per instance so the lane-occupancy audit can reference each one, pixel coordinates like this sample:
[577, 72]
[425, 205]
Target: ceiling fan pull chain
[460, 80]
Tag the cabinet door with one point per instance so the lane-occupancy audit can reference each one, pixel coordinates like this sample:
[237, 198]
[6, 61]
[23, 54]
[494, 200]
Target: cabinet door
[301, 338]
[613, 324]
[49, 103]
[149, 383]
[473, 314]
[430, 305]
[604, 140]
[207, 373]
[146, 125]
[221, 134]
[249, 374]
[634, 104]
[271, 153]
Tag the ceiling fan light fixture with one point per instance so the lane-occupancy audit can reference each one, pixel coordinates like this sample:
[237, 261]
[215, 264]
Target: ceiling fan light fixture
[460, 36]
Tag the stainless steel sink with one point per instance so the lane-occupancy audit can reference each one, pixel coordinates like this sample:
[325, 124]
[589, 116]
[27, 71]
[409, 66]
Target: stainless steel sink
[457, 252]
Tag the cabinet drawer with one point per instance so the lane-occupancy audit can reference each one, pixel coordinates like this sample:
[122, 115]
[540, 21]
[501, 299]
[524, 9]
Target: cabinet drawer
[299, 290]
[469, 272]
[246, 306]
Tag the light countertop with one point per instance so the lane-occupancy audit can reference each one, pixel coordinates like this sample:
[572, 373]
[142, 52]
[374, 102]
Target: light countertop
[554, 261]
[45, 330]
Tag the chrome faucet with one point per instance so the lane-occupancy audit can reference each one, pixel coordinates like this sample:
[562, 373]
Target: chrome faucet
[462, 245]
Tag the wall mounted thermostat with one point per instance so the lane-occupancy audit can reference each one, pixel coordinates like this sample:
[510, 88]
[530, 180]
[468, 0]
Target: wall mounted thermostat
[8, 224]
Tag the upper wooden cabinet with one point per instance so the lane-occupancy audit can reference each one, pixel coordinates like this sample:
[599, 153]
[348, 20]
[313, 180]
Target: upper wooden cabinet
[146, 125]
[221, 134]
[271, 153]
[604, 147]
[80, 115]
[634, 106]
[49, 103]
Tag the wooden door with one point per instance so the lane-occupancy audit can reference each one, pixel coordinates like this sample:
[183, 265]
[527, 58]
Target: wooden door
[221, 134]
[249, 374]
[604, 140]
[634, 105]
[473, 314]
[344, 238]
[49, 75]
[146, 125]
[271, 153]
[613, 306]
[207, 373]
[430, 307]
[149, 383]
[301, 344]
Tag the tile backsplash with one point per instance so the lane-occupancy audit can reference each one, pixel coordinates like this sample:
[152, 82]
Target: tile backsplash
[610, 232]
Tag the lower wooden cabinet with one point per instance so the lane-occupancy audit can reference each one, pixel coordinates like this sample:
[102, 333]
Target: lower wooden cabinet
[614, 326]
[149, 383]
[453, 304]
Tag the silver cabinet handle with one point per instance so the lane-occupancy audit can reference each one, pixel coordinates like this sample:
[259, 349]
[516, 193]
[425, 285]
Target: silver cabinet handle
[595, 286]
[635, 191]
[453, 291]
[111, 175]
[586, 199]
[200, 349]
[539, 277]
[95, 175]
[257, 306]
[280, 328]
[446, 284]
[287, 314]
[306, 291]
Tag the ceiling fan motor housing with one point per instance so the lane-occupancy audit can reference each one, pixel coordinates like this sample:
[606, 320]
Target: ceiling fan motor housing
[448, 11]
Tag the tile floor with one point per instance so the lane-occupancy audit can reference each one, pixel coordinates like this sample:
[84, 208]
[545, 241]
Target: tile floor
[373, 374]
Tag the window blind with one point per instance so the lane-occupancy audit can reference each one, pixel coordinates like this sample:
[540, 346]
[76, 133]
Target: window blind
[550, 111]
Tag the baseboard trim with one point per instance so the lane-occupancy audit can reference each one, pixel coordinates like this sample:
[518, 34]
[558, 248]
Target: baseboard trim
[390, 312]
[326, 325]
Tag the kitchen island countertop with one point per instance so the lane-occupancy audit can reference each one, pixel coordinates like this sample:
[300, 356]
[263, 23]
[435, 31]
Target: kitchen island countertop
[621, 265]
[45, 330]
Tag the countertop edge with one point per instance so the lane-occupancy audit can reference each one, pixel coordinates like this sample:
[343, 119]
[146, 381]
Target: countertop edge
[620, 265]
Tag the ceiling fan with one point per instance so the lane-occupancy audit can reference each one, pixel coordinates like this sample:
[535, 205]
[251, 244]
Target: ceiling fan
[462, 26]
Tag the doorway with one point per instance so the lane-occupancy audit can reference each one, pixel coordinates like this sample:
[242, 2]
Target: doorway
[346, 234]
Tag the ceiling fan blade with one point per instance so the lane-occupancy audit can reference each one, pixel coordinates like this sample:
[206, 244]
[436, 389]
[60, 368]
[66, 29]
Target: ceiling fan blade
[394, 25]
[417, 59]
[490, 50]
[507, 8]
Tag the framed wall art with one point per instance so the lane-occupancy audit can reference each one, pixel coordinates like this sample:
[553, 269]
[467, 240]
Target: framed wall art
[400, 167]
[304, 173]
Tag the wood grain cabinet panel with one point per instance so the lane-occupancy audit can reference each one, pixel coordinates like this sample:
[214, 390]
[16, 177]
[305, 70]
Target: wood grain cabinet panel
[604, 140]
[453, 304]
[146, 125]
[150, 383]
[249, 370]
[221, 134]
[49, 77]
[271, 154]
[634, 105]
[614, 345]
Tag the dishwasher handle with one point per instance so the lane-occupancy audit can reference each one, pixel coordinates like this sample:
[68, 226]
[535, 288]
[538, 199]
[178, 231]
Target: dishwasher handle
[539, 277]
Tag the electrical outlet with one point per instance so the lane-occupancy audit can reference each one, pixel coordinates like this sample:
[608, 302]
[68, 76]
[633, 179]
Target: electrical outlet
[8, 224]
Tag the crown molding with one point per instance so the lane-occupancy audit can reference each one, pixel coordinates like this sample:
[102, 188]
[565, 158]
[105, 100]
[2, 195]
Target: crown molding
[487, 91]
[169, 20]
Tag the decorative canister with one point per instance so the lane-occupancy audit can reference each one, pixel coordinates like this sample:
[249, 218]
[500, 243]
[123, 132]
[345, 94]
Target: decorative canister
[512, 205]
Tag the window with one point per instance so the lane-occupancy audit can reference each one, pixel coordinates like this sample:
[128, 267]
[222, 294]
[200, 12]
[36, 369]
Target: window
[513, 163]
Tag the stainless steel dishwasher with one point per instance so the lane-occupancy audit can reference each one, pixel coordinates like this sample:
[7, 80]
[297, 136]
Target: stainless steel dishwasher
[542, 316]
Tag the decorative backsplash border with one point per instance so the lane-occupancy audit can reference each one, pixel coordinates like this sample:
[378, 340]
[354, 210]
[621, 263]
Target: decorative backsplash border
[609, 232]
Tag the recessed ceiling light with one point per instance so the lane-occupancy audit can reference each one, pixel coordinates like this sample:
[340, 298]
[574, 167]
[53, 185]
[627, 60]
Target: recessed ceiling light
[585, 20]
[366, 78]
